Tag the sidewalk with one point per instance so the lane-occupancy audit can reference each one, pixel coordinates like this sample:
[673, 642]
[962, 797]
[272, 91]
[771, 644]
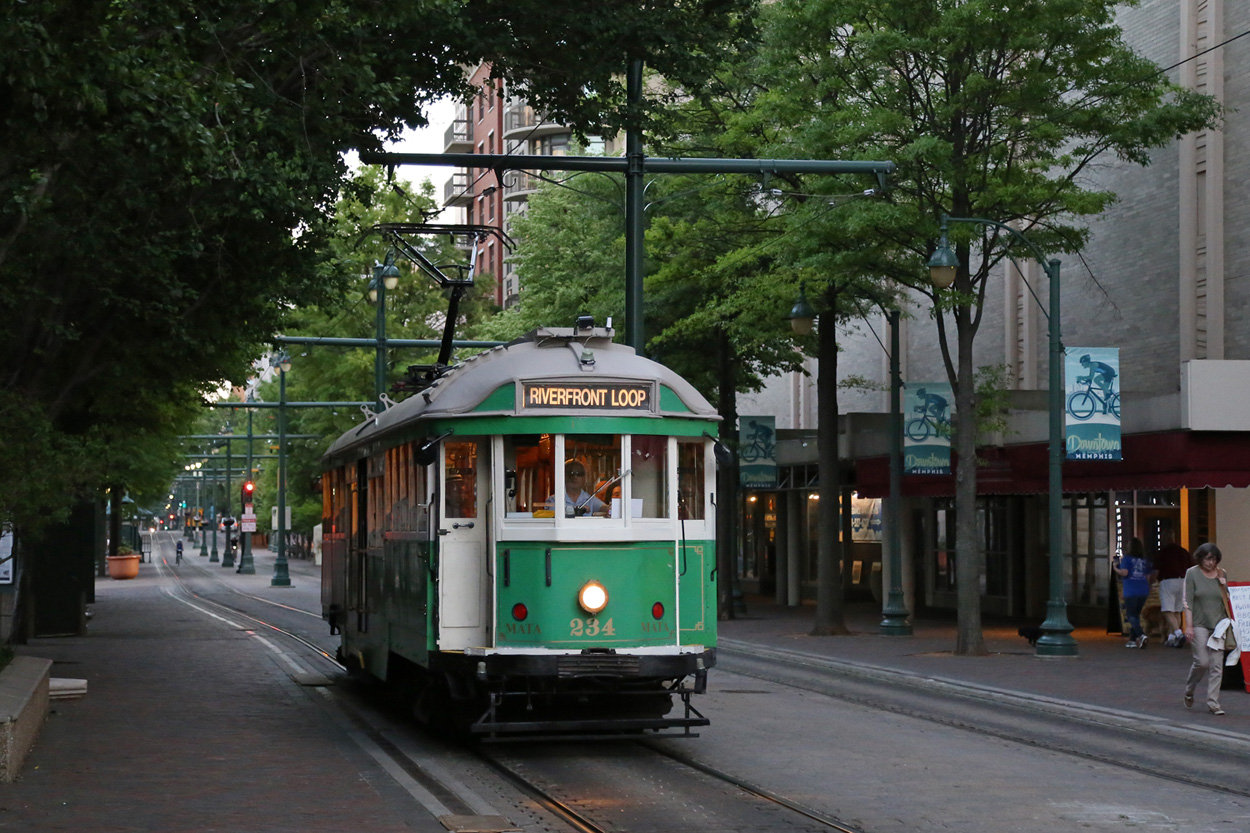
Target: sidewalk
[1104, 675]
[190, 724]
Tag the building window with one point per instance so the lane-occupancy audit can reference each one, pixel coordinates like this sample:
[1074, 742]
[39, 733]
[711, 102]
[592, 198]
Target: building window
[1086, 549]
[993, 532]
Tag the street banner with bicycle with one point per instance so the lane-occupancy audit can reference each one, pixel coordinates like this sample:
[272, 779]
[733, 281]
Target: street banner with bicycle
[1092, 388]
[757, 452]
[928, 408]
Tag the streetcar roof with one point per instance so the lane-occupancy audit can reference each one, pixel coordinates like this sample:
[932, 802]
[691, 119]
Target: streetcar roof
[565, 354]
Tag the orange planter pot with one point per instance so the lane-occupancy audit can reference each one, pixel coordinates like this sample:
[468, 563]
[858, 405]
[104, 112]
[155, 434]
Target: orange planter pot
[123, 566]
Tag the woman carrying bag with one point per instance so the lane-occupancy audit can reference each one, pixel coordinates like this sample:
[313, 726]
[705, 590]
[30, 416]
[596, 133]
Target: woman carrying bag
[1206, 605]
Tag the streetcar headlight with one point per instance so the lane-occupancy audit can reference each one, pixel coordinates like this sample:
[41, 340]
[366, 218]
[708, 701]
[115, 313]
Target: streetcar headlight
[593, 597]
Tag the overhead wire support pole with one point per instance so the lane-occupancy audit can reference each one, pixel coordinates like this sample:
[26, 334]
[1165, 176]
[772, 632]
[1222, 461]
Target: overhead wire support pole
[635, 252]
[634, 167]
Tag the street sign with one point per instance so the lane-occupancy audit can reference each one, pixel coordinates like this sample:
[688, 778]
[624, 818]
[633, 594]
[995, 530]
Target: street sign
[247, 523]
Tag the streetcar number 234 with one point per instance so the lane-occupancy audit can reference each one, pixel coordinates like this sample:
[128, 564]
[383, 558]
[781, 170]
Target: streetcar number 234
[591, 627]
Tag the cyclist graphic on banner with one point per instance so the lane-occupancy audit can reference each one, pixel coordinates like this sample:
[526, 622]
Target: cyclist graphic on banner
[928, 408]
[1092, 385]
[757, 452]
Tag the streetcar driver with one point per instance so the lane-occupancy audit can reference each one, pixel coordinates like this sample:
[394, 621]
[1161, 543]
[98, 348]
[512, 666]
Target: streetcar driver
[577, 501]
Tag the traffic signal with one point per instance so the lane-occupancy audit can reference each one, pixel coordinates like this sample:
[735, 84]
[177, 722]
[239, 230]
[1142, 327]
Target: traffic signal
[248, 488]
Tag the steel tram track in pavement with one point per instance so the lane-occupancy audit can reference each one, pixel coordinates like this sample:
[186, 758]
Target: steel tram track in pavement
[761, 810]
[434, 787]
[441, 793]
[1193, 758]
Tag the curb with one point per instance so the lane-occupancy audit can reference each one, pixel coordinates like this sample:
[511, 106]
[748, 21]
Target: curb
[23, 709]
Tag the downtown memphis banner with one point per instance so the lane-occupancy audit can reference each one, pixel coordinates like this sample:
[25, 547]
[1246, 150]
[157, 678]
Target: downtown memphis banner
[927, 411]
[1092, 416]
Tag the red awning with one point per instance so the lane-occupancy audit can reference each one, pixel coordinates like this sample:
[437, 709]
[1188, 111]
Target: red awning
[1167, 460]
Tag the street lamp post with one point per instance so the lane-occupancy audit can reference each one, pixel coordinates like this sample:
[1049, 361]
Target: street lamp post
[894, 614]
[1056, 639]
[247, 566]
[213, 557]
[385, 278]
[227, 554]
[281, 572]
[199, 500]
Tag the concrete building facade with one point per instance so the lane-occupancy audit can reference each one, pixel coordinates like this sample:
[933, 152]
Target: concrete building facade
[1164, 278]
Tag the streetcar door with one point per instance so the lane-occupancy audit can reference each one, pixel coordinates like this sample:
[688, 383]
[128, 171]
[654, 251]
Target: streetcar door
[465, 476]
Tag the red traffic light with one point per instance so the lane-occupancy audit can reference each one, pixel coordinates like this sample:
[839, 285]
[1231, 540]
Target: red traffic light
[249, 487]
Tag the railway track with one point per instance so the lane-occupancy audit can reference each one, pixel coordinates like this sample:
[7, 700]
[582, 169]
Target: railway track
[399, 747]
[655, 785]
[640, 787]
[1210, 761]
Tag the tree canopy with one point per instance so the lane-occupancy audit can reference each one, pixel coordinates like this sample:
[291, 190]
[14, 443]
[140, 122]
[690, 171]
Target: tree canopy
[990, 110]
[168, 171]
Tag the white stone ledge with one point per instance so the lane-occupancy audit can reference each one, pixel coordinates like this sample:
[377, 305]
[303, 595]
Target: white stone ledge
[23, 709]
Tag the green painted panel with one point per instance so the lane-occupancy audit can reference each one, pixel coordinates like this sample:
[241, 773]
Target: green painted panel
[698, 594]
[503, 398]
[636, 576]
[670, 402]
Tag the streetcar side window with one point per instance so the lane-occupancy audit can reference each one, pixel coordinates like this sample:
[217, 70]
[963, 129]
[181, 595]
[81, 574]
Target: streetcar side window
[592, 475]
[405, 489]
[529, 475]
[690, 479]
[648, 465]
[334, 489]
[460, 470]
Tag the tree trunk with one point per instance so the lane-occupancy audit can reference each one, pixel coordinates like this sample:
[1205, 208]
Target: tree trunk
[969, 556]
[830, 613]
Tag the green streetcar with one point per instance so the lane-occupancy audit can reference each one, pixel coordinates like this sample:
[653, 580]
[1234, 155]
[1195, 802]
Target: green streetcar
[528, 542]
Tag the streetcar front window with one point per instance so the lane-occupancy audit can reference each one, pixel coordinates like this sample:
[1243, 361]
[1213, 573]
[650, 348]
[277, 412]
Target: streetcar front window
[529, 475]
[648, 467]
[592, 475]
[690, 479]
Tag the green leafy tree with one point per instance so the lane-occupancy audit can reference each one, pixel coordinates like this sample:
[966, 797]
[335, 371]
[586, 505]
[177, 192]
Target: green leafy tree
[569, 258]
[168, 170]
[990, 110]
[416, 309]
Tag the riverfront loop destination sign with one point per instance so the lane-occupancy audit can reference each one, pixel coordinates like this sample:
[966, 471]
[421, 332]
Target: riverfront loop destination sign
[586, 396]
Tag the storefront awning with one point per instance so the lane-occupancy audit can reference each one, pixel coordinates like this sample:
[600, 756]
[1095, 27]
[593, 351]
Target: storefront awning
[1166, 460]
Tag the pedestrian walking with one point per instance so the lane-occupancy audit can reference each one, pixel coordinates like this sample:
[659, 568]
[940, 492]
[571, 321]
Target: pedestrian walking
[1172, 561]
[1135, 572]
[1206, 606]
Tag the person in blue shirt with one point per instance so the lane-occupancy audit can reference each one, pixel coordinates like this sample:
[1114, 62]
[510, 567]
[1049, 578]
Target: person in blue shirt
[1136, 573]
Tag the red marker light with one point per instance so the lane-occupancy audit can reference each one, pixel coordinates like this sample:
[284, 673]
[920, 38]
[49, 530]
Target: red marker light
[657, 610]
[519, 612]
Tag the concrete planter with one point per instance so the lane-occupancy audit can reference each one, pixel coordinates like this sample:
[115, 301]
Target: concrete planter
[23, 709]
[123, 566]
